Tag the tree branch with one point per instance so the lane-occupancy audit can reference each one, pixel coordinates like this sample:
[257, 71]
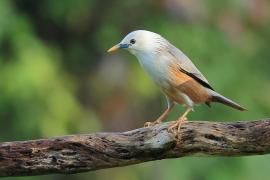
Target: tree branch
[79, 153]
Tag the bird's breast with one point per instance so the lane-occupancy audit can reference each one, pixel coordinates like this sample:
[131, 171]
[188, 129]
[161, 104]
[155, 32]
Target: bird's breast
[156, 68]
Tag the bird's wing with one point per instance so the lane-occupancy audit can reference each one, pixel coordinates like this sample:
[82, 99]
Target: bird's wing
[186, 66]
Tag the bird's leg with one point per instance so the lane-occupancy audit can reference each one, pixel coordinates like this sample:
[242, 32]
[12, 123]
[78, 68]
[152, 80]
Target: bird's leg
[162, 116]
[177, 124]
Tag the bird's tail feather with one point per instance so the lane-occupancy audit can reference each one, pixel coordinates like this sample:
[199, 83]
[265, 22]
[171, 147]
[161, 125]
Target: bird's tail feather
[221, 99]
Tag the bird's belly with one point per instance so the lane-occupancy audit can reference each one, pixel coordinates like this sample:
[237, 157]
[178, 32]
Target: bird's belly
[187, 93]
[173, 95]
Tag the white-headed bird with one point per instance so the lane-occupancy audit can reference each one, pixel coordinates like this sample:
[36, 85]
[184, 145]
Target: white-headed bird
[179, 79]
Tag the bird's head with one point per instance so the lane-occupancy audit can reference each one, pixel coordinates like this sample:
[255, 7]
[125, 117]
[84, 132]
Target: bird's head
[141, 41]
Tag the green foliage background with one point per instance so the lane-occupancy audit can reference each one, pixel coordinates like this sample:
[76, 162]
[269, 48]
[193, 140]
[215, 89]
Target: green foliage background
[56, 77]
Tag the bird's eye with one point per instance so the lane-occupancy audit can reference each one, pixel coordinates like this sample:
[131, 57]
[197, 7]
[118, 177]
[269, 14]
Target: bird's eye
[132, 41]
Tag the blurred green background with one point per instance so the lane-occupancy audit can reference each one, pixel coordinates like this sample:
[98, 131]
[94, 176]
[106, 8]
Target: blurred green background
[56, 77]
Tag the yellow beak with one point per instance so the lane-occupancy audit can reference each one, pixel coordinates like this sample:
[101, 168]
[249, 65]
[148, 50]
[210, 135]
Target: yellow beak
[114, 48]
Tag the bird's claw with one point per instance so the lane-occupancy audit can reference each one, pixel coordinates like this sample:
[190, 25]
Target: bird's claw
[149, 124]
[175, 126]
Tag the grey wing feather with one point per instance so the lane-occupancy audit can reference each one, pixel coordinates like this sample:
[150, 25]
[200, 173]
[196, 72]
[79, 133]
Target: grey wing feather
[185, 63]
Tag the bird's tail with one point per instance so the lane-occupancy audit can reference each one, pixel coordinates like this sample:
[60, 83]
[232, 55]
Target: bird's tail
[221, 99]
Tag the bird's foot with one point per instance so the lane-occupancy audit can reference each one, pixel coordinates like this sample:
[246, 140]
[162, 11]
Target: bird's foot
[149, 124]
[175, 126]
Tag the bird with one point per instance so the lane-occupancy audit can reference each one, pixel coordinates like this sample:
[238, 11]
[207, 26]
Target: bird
[176, 75]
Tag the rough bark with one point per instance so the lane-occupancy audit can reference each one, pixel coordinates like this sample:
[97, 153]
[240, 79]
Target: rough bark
[79, 153]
